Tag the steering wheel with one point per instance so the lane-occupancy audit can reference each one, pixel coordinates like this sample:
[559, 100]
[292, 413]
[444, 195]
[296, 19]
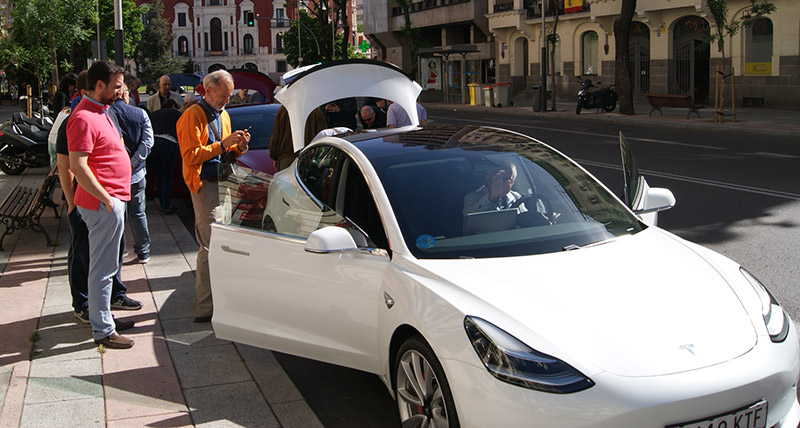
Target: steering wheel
[532, 217]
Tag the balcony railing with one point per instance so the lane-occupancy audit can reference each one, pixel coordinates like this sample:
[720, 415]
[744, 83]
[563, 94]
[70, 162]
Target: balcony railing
[502, 7]
[426, 5]
[534, 9]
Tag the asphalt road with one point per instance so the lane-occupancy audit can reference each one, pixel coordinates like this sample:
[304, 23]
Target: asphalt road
[736, 194]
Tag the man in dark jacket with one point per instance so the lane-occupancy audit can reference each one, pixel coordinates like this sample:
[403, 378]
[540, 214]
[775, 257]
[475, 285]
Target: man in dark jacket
[161, 161]
[137, 133]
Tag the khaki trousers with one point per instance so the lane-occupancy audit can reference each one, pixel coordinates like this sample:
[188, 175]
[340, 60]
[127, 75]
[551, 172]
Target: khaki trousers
[206, 211]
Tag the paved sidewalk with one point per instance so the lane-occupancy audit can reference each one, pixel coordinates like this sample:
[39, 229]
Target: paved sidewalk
[178, 374]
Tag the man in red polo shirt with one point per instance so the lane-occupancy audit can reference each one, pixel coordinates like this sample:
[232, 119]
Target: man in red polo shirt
[102, 168]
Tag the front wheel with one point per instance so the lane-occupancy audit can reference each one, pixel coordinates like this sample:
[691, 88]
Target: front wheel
[421, 389]
[578, 107]
[13, 153]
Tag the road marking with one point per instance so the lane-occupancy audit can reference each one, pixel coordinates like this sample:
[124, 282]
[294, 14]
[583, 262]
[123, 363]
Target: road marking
[729, 186]
[593, 134]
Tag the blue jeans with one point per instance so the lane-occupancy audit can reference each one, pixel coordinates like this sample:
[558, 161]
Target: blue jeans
[105, 233]
[138, 219]
[78, 264]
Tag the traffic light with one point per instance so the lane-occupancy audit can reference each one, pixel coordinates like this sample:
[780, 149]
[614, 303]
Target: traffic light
[250, 17]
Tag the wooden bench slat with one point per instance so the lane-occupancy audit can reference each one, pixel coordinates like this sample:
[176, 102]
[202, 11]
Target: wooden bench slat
[672, 100]
[22, 208]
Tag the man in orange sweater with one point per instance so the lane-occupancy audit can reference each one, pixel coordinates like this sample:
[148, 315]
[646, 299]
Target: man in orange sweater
[204, 133]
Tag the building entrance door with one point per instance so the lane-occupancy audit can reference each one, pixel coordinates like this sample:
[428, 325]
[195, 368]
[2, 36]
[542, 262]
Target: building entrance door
[691, 59]
[640, 60]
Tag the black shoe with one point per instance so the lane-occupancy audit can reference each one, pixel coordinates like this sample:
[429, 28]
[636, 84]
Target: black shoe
[169, 211]
[83, 316]
[203, 319]
[123, 325]
[126, 303]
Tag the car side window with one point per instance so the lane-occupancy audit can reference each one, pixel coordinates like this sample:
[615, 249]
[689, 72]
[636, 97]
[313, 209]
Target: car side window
[358, 206]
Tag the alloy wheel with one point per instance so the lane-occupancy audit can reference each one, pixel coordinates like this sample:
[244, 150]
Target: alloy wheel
[419, 394]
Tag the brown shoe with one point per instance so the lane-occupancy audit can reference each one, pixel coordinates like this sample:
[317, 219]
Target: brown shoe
[115, 341]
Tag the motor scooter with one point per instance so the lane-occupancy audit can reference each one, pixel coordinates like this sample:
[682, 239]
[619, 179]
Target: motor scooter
[23, 142]
[603, 98]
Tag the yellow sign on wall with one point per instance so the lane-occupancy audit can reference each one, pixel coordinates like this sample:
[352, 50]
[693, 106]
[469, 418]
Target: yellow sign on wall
[758, 68]
[573, 6]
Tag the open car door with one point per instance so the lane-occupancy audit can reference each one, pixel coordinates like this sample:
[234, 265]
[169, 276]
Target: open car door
[288, 284]
[638, 195]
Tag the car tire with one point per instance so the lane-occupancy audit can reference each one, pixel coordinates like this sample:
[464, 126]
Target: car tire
[414, 366]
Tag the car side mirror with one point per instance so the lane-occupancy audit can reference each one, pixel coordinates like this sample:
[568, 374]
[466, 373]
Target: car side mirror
[330, 239]
[656, 199]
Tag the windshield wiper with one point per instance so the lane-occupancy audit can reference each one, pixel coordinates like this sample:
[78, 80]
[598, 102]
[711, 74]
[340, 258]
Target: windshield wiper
[571, 247]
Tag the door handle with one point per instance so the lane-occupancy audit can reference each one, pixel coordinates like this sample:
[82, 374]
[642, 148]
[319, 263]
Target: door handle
[234, 251]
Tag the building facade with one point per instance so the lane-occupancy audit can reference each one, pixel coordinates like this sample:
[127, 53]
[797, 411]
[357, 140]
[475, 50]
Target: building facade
[670, 48]
[229, 34]
[453, 38]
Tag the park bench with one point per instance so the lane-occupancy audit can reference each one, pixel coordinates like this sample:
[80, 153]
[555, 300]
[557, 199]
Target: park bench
[23, 207]
[672, 100]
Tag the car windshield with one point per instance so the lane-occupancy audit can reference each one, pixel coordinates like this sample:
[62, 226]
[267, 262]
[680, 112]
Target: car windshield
[484, 192]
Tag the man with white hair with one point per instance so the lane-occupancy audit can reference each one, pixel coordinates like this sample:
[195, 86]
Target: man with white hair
[164, 92]
[204, 134]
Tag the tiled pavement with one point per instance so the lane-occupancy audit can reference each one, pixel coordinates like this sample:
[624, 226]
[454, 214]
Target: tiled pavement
[178, 374]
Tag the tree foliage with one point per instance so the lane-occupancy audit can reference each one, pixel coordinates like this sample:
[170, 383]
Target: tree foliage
[320, 39]
[155, 47]
[132, 26]
[44, 31]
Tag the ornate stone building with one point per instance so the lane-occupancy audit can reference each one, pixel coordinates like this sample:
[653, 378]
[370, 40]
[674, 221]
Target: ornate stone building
[669, 46]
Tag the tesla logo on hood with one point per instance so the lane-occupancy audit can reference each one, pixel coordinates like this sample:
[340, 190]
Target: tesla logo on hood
[688, 347]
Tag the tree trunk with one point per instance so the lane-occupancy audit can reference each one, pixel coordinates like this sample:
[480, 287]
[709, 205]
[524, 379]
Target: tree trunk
[555, 6]
[622, 28]
[346, 30]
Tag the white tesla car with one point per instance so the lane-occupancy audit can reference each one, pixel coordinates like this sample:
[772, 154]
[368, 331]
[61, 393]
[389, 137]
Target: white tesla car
[490, 281]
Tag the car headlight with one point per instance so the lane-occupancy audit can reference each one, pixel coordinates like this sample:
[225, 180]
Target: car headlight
[774, 317]
[512, 361]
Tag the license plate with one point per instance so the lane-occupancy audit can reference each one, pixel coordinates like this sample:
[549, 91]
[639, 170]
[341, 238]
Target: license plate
[754, 416]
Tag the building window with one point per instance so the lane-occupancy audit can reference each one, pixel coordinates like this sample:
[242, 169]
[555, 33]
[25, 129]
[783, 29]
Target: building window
[279, 17]
[280, 65]
[248, 44]
[213, 3]
[589, 52]
[758, 46]
[181, 19]
[183, 46]
[279, 43]
[216, 34]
